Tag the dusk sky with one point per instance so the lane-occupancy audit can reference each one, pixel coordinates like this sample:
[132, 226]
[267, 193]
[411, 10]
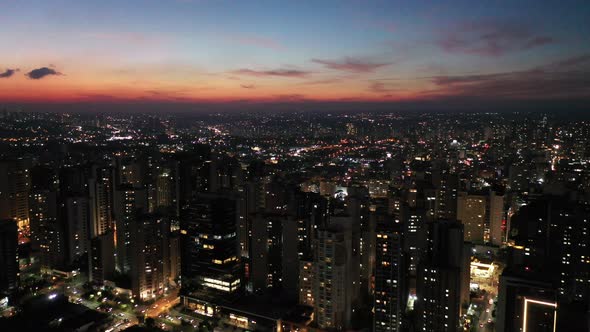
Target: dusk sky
[229, 52]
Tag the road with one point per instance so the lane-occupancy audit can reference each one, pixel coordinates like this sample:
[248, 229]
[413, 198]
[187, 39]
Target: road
[122, 319]
[486, 321]
[163, 304]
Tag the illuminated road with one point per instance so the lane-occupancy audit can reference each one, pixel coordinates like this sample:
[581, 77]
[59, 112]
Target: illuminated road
[486, 321]
[163, 305]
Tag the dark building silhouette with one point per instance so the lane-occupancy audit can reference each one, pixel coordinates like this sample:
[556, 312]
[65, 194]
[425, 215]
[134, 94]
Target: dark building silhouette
[443, 277]
[209, 244]
[8, 256]
[391, 290]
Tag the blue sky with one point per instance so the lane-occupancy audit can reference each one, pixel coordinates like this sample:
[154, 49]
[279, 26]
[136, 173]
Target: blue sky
[293, 51]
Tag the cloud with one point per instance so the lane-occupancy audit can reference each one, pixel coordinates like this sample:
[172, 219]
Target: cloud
[351, 64]
[574, 61]
[490, 38]
[248, 86]
[290, 97]
[466, 79]
[542, 83]
[275, 72]
[39, 73]
[538, 41]
[326, 81]
[380, 87]
[8, 72]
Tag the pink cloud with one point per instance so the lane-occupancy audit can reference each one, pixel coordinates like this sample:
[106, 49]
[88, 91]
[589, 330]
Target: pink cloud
[275, 72]
[555, 80]
[491, 38]
[382, 88]
[352, 65]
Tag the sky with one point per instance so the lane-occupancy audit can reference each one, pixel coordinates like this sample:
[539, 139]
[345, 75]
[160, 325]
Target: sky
[345, 53]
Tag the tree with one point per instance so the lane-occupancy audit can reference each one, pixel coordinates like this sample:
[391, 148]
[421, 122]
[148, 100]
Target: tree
[205, 326]
[150, 322]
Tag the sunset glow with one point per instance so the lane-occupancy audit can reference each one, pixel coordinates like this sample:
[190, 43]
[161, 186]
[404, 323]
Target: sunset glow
[229, 52]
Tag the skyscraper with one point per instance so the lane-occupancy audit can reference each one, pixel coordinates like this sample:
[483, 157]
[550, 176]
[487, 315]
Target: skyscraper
[129, 201]
[546, 282]
[150, 256]
[471, 211]
[306, 282]
[517, 288]
[443, 277]
[8, 256]
[77, 220]
[47, 229]
[274, 253]
[14, 191]
[102, 257]
[481, 215]
[101, 192]
[336, 274]
[209, 244]
[390, 275]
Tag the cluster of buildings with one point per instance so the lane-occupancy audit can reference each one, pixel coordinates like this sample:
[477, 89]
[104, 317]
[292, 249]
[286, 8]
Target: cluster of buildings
[390, 223]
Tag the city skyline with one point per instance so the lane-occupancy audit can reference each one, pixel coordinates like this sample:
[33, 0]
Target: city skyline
[193, 55]
[295, 166]
[294, 221]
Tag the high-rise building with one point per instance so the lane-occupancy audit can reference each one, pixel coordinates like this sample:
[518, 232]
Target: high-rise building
[101, 200]
[390, 276]
[443, 277]
[471, 211]
[209, 244]
[128, 202]
[358, 208]
[481, 215]
[14, 191]
[414, 223]
[495, 217]
[336, 274]
[77, 234]
[550, 235]
[167, 188]
[150, 256]
[173, 269]
[306, 280]
[527, 301]
[546, 283]
[102, 257]
[131, 172]
[8, 256]
[447, 187]
[274, 256]
[47, 230]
